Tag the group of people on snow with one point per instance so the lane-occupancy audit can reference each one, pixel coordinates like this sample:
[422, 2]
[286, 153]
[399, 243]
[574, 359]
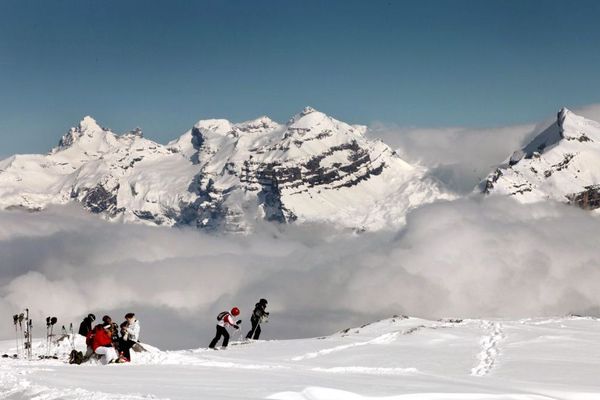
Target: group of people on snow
[110, 342]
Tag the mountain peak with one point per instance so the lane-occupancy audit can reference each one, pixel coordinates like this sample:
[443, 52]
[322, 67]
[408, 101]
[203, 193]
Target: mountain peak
[262, 120]
[225, 127]
[308, 110]
[136, 132]
[258, 125]
[560, 163]
[305, 111]
[562, 115]
[89, 124]
[217, 125]
[307, 117]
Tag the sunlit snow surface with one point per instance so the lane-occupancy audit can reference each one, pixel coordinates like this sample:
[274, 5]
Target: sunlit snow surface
[394, 359]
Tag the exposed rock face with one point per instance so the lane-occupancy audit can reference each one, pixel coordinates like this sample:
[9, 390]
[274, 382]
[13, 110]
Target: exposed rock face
[562, 163]
[221, 175]
[314, 168]
[588, 199]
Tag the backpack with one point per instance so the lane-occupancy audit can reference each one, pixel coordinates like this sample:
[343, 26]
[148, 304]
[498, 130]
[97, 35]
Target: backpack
[76, 357]
[222, 315]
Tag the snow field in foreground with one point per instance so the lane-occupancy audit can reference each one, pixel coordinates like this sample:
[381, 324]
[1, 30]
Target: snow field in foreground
[394, 359]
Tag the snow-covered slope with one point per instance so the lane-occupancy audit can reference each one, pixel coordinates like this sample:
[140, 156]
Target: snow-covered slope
[225, 175]
[562, 163]
[314, 168]
[394, 359]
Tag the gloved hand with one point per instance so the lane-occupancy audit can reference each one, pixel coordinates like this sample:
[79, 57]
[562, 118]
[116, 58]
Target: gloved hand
[236, 327]
[239, 321]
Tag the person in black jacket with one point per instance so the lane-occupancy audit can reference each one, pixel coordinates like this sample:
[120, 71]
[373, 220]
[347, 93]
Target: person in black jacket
[258, 315]
[86, 325]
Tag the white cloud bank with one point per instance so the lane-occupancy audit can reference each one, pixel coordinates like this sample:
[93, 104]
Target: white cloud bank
[466, 258]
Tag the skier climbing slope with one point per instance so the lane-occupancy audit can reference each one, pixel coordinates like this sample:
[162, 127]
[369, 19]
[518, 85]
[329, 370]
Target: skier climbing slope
[259, 315]
[225, 319]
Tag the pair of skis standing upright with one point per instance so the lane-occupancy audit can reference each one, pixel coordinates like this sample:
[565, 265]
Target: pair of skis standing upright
[23, 336]
[50, 322]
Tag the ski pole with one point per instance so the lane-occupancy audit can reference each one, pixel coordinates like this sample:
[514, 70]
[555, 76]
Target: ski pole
[30, 330]
[47, 336]
[21, 316]
[53, 322]
[254, 330]
[236, 335]
[30, 336]
[28, 327]
[16, 320]
[71, 336]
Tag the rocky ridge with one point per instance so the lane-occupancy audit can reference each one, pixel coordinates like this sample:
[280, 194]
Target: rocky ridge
[225, 176]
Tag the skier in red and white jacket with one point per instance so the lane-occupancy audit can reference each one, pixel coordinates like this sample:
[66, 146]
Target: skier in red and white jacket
[225, 319]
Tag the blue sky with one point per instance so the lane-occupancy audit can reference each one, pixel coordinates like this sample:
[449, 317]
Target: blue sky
[164, 65]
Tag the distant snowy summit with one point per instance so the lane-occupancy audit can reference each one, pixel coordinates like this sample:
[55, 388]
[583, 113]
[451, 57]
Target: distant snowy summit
[562, 163]
[222, 175]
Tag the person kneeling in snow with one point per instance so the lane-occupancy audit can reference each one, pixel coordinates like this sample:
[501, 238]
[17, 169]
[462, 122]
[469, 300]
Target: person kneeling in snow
[225, 319]
[102, 344]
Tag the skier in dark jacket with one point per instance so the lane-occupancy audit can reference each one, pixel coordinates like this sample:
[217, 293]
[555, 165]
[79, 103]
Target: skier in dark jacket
[258, 315]
[86, 325]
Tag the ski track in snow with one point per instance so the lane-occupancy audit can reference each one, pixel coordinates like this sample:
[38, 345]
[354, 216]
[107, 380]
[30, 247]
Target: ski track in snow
[489, 344]
[320, 393]
[383, 339]
[181, 358]
[224, 364]
[367, 370]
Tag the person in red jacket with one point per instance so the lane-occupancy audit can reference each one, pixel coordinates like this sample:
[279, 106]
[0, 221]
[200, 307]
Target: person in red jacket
[89, 340]
[102, 344]
[225, 319]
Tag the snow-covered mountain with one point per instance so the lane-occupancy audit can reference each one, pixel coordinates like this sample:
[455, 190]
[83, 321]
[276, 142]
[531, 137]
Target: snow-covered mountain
[125, 176]
[562, 163]
[225, 175]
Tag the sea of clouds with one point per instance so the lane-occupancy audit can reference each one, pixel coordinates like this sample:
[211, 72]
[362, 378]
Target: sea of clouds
[472, 257]
[465, 258]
